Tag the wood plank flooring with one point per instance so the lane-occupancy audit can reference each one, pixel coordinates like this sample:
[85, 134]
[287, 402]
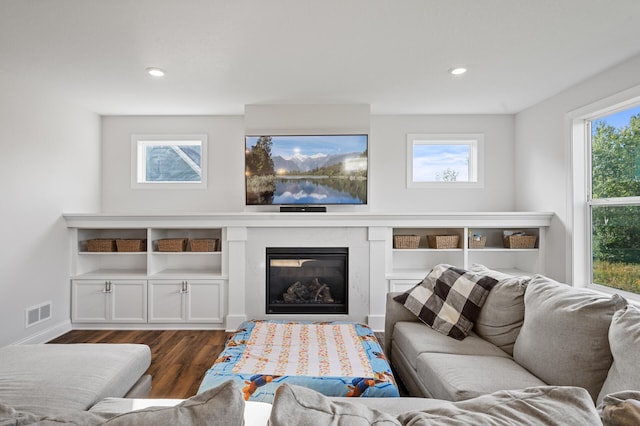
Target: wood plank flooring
[179, 358]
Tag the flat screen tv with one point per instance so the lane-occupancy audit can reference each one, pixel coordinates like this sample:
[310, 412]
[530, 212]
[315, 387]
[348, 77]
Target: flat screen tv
[306, 170]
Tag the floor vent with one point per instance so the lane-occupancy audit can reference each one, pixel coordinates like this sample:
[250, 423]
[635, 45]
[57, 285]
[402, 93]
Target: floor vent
[37, 314]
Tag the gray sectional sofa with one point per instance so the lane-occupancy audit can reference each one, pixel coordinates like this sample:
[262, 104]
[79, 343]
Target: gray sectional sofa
[43, 378]
[540, 352]
[531, 332]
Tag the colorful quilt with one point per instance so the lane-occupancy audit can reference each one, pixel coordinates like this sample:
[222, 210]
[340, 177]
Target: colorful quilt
[333, 358]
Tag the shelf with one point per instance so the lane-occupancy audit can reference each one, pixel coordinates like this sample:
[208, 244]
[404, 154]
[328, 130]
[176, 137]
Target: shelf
[418, 250]
[186, 274]
[502, 249]
[407, 274]
[112, 274]
[187, 253]
[111, 253]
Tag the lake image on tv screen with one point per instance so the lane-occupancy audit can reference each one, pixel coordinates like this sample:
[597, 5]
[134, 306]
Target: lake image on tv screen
[328, 169]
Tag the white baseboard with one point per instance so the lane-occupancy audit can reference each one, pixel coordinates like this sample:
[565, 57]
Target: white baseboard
[46, 335]
[234, 321]
[376, 322]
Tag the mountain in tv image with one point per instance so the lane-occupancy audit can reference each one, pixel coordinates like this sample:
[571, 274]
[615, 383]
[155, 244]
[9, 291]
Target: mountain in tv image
[307, 163]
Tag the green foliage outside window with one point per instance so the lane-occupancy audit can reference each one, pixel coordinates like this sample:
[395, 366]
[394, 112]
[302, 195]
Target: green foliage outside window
[615, 153]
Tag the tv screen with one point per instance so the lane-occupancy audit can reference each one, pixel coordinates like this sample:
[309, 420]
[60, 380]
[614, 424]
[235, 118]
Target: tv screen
[306, 170]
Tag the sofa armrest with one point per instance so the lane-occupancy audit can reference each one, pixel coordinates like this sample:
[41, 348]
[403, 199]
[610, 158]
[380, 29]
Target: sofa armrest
[394, 312]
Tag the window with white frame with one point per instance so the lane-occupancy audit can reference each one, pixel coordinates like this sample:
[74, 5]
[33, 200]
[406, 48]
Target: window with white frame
[169, 161]
[613, 197]
[445, 160]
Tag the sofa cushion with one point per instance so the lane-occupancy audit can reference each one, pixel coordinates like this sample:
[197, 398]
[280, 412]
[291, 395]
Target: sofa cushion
[448, 299]
[620, 409]
[564, 338]
[58, 417]
[222, 405]
[502, 314]
[548, 405]
[415, 338]
[37, 378]
[624, 340]
[295, 405]
[255, 412]
[460, 377]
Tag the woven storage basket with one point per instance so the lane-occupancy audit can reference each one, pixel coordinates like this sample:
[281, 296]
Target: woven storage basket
[406, 241]
[131, 245]
[443, 241]
[520, 241]
[203, 244]
[101, 245]
[477, 243]
[172, 244]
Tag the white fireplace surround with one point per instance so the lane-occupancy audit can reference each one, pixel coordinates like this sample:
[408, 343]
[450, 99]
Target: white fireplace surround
[245, 237]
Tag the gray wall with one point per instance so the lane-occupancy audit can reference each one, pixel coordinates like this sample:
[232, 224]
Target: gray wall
[50, 164]
[387, 155]
[543, 158]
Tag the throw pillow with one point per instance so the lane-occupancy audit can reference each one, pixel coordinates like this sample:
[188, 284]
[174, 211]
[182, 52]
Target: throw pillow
[57, 417]
[545, 405]
[222, 405]
[448, 299]
[564, 338]
[620, 409]
[296, 405]
[624, 339]
[502, 314]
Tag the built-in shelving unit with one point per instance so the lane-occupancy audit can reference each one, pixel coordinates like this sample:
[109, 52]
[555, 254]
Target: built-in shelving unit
[409, 265]
[222, 288]
[150, 285]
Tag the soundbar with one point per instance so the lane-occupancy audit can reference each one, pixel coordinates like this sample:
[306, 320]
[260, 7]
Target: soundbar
[303, 209]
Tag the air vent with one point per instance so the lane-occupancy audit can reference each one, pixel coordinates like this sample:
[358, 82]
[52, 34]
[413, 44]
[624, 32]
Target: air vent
[37, 314]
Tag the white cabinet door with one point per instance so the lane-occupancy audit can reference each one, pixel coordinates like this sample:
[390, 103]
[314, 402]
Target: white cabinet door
[89, 301]
[195, 301]
[205, 301]
[166, 300]
[128, 301]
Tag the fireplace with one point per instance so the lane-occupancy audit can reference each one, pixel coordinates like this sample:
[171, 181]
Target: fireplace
[307, 280]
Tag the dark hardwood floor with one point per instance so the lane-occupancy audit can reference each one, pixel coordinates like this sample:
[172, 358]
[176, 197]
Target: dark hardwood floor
[179, 358]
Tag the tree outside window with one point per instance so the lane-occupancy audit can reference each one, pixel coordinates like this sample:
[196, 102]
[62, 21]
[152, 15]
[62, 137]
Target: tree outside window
[615, 200]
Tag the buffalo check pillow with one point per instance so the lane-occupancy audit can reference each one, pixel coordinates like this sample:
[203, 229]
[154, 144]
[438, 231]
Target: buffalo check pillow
[448, 299]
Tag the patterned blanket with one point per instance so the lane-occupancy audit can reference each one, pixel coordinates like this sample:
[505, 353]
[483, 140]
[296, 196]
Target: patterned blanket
[333, 358]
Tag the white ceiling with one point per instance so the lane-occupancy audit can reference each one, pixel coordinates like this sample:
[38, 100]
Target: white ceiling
[392, 54]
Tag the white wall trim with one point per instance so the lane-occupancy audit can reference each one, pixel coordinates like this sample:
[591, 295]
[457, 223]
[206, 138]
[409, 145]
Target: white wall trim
[46, 335]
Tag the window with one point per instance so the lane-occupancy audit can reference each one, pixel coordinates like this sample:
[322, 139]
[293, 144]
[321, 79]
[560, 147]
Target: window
[613, 198]
[168, 161]
[451, 161]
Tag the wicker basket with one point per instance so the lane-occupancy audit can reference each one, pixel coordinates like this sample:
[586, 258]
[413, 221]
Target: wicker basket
[131, 245]
[101, 245]
[443, 241]
[406, 241]
[204, 244]
[477, 243]
[519, 241]
[172, 244]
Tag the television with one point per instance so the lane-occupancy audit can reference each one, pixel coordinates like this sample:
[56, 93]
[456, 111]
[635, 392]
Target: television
[306, 169]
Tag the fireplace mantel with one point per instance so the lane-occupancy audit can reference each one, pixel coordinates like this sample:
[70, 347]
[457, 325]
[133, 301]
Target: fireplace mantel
[375, 265]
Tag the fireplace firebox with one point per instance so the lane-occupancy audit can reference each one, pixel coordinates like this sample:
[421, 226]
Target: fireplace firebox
[307, 280]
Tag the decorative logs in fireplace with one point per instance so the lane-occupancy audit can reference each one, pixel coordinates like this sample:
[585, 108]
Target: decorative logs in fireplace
[313, 292]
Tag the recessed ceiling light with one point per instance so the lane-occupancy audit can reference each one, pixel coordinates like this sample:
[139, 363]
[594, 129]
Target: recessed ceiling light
[156, 72]
[457, 71]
